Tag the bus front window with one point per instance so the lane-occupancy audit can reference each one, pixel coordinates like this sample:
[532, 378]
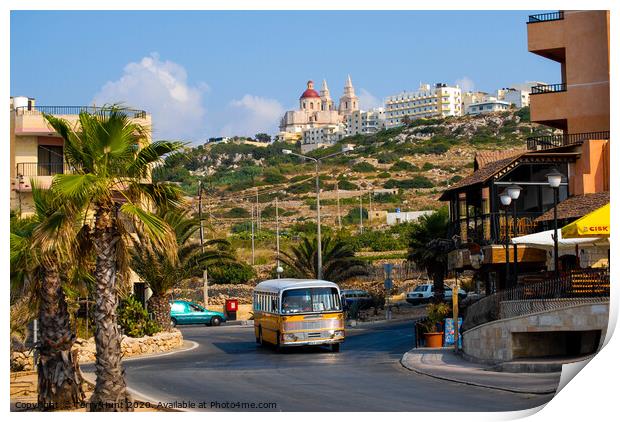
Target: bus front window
[296, 301]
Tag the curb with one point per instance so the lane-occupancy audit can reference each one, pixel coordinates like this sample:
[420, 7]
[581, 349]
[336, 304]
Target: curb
[472, 383]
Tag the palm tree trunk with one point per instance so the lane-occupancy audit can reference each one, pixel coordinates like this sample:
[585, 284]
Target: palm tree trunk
[160, 307]
[59, 377]
[110, 389]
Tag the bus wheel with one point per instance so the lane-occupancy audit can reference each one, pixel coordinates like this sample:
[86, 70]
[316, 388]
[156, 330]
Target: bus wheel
[335, 348]
[260, 340]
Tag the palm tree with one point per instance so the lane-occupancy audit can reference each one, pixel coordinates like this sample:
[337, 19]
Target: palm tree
[429, 248]
[111, 161]
[339, 261]
[42, 260]
[161, 273]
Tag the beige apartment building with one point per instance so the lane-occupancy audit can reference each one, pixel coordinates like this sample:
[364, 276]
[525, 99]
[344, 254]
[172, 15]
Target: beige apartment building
[578, 104]
[37, 151]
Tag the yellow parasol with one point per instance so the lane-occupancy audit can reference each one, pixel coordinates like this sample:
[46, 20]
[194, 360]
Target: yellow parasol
[593, 224]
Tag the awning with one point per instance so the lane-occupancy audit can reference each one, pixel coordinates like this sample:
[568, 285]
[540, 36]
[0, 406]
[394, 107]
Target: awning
[545, 239]
[595, 223]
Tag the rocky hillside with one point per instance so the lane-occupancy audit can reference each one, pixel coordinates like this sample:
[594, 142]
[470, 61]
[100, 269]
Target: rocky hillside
[415, 162]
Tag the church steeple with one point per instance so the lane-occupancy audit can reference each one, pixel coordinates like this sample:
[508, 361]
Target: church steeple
[349, 101]
[326, 99]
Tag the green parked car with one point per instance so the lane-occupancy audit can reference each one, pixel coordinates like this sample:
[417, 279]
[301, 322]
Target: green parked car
[183, 313]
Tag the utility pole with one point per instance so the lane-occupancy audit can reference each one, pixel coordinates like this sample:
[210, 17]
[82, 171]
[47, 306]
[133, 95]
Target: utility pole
[361, 216]
[338, 204]
[252, 218]
[319, 246]
[369, 207]
[205, 274]
[257, 212]
[277, 240]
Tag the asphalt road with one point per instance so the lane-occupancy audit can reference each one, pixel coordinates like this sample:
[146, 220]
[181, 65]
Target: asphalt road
[228, 367]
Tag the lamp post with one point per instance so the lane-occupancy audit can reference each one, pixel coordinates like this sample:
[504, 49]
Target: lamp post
[317, 162]
[506, 200]
[555, 180]
[514, 191]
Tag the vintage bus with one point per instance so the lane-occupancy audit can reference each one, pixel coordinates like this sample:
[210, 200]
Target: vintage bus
[291, 312]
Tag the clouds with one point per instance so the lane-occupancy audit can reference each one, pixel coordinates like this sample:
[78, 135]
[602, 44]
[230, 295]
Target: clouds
[368, 101]
[465, 83]
[161, 88]
[251, 115]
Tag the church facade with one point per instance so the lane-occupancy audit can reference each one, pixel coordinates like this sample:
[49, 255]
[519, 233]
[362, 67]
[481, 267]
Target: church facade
[318, 110]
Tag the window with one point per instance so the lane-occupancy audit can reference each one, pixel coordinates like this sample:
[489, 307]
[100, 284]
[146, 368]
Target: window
[310, 300]
[50, 160]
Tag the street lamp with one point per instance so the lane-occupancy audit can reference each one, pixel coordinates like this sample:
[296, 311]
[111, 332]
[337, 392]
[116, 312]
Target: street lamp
[514, 191]
[346, 148]
[554, 179]
[506, 200]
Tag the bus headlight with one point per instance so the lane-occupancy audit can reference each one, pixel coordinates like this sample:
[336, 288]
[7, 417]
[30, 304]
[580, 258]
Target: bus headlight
[290, 337]
[339, 333]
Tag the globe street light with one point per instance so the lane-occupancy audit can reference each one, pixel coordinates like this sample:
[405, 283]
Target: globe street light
[506, 200]
[514, 191]
[317, 161]
[554, 179]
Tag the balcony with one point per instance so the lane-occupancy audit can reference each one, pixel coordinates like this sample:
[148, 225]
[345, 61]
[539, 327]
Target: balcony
[75, 110]
[546, 89]
[30, 121]
[41, 169]
[538, 143]
[546, 17]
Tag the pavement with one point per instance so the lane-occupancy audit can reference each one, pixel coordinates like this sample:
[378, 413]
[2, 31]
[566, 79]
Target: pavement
[445, 364]
[228, 371]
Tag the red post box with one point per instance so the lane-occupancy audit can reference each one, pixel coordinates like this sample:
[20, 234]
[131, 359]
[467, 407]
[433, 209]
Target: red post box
[232, 305]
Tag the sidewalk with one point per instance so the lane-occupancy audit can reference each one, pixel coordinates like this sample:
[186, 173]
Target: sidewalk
[446, 365]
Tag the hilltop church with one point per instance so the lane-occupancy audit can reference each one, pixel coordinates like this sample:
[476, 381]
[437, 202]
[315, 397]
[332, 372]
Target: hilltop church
[318, 110]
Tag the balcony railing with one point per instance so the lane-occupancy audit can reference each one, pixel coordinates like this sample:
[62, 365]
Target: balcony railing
[537, 143]
[546, 17]
[476, 232]
[546, 89]
[41, 169]
[574, 284]
[75, 110]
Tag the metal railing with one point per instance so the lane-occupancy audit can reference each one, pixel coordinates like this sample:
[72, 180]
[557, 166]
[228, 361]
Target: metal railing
[536, 143]
[75, 110]
[581, 283]
[546, 89]
[546, 17]
[41, 169]
[476, 232]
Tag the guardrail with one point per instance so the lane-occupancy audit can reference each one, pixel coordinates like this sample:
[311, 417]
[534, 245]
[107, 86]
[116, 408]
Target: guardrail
[547, 89]
[537, 143]
[75, 110]
[582, 283]
[546, 17]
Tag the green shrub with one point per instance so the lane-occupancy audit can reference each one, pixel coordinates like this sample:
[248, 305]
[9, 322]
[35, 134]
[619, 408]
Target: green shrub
[413, 183]
[346, 185]
[363, 167]
[387, 157]
[134, 320]
[404, 166]
[384, 175]
[427, 166]
[231, 273]
[273, 176]
[238, 212]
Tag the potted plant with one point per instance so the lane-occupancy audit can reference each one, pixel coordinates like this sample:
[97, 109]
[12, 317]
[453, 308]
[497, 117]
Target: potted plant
[436, 314]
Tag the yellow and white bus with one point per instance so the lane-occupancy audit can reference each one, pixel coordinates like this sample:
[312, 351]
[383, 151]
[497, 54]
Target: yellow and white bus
[291, 312]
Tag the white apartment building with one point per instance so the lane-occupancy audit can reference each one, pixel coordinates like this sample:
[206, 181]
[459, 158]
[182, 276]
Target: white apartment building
[439, 101]
[514, 96]
[365, 122]
[321, 136]
[490, 105]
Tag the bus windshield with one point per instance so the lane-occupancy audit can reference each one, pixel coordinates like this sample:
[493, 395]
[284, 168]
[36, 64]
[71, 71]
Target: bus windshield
[318, 299]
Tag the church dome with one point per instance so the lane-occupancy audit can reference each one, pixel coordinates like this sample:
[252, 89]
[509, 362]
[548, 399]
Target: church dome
[310, 91]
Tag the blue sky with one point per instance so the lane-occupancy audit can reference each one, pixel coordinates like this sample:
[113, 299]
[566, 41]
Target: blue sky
[209, 73]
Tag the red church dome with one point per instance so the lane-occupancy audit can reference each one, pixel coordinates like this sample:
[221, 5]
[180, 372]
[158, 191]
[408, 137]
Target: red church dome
[310, 92]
